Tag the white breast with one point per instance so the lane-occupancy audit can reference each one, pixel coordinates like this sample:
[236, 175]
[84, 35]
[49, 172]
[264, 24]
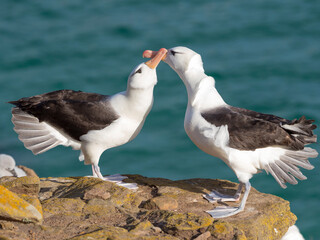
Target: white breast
[119, 132]
[210, 139]
[132, 116]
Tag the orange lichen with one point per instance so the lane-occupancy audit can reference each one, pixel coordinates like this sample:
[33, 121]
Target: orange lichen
[14, 207]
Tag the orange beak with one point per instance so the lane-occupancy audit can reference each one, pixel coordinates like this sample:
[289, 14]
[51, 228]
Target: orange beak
[156, 57]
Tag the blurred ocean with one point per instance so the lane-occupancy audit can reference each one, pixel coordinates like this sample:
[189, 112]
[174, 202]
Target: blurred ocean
[264, 55]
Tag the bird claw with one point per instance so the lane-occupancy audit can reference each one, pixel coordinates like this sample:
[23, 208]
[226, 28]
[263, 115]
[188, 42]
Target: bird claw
[215, 196]
[116, 178]
[222, 212]
[131, 186]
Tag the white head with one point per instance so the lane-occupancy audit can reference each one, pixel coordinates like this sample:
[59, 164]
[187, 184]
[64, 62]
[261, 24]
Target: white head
[144, 75]
[188, 65]
[184, 60]
[7, 162]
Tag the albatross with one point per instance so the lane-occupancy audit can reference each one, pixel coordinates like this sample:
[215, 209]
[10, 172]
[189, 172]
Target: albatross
[8, 167]
[89, 122]
[247, 141]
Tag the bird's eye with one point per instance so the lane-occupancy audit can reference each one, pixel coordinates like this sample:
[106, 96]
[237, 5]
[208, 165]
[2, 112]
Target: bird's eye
[138, 71]
[173, 52]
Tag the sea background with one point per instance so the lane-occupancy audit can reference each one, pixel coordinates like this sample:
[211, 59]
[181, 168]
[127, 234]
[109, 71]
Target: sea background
[264, 55]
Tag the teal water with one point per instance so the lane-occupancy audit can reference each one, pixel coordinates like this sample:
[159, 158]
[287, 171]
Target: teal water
[264, 55]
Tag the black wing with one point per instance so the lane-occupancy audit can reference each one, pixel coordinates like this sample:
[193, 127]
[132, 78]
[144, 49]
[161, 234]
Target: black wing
[74, 112]
[249, 130]
[262, 116]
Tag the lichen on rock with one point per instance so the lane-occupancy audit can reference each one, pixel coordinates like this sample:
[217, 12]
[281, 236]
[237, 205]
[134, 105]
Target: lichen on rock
[15, 208]
[89, 208]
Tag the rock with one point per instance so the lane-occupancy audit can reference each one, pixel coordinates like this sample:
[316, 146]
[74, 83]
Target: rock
[7, 226]
[115, 233]
[51, 186]
[96, 192]
[264, 214]
[63, 206]
[26, 188]
[78, 187]
[15, 208]
[89, 208]
[162, 203]
[23, 185]
[223, 230]
[203, 236]
[142, 228]
[30, 172]
[4, 238]
[98, 208]
[184, 225]
[34, 201]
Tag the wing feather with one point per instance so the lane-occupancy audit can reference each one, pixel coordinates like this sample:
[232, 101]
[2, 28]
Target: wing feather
[74, 112]
[249, 130]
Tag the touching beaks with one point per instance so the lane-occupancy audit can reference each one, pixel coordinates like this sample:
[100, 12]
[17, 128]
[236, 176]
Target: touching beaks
[156, 57]
[149, 54]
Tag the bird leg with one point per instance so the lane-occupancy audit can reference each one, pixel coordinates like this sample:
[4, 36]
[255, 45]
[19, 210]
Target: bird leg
[215, 196]
[116, 178]
[96, 171]
[221, 212]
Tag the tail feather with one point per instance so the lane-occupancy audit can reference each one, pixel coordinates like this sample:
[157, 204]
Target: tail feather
[302, 130]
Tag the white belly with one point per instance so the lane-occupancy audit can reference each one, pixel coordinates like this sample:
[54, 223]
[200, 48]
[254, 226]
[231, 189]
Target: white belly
[118, 133]
[215, 141]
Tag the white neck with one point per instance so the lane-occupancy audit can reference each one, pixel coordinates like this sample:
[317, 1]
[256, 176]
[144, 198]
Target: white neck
[139, 99]
[201, 90]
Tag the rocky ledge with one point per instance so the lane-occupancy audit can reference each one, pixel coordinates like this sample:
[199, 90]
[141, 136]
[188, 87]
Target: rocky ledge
[88, 208]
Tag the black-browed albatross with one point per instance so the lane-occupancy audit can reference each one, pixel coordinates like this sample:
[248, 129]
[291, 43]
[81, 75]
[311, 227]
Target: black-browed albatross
[245, 140]
[89, 122]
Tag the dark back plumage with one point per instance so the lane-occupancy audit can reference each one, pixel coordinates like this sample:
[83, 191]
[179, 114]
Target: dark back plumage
[74, 112]
[249, 130]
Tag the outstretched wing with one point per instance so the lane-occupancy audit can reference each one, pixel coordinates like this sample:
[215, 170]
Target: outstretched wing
[249, 130]
[74, 112]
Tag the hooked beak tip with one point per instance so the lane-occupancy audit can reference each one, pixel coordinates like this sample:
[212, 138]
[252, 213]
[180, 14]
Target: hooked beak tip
[156, 57]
